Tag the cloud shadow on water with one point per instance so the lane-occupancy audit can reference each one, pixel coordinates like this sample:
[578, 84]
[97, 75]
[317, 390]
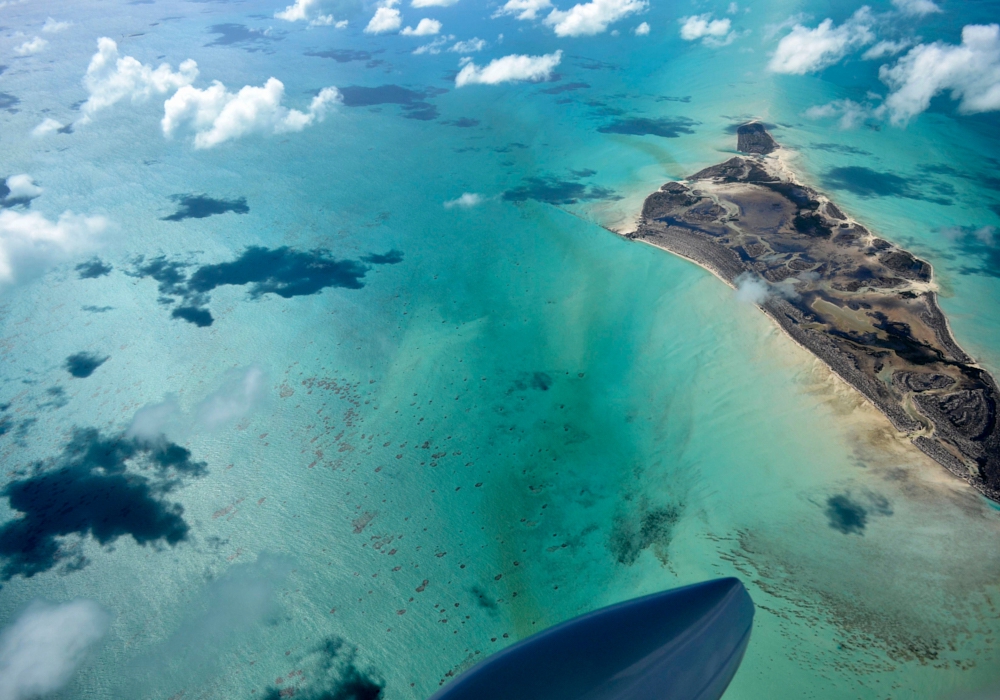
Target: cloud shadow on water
[329, 672]
[553, 190]
[850, 515]
[89, 491]
[348, 55]
[283, 271]
[566, 87]
[9, 102]
[868, 183]
[665, 127]
[199, 206]
[840, 148]
[462, 122]
[92, 269]
[250, 39]
[83, 364]
[982, 243]
[413, 102]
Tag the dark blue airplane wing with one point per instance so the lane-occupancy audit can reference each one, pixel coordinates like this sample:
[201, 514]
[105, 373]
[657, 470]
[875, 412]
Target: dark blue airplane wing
[681, 644]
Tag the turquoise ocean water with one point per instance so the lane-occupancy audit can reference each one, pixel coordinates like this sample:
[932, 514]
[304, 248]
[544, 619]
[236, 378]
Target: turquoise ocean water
[514, 416]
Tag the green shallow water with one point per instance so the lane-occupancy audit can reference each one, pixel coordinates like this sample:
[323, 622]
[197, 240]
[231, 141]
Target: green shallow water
[527, 418]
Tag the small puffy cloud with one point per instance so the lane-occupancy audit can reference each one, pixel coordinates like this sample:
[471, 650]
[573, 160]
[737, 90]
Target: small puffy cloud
[241, 392]
[42, 649]
[805, 50]
[300, 11]
[712, 32]
[53, 27]
[593, 17]
[29, 242]
[473, 45]
[886, 48]
[509, 69]
[308, 10]
[466, 201]
[386, 19]
[851, 114]
[110, 78]
[153, 421]
[214, 621]
[31, 47]
[916, 8]
[733, 9]
[751, 289]
[217, 115]
[432, 3]
[642, 29]
[970, 72]
[523, 9]
[425, 27]
[326, 21]
[436, 46]
[48, 126]
[21, 188]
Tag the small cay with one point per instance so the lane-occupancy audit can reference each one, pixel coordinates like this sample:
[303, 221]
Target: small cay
[861, 304]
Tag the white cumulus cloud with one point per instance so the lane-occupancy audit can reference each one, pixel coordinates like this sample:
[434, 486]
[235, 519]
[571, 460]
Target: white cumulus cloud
[21, 188]
[969, 72]
[32, 46]
[300, 11]
[805, 50]
[436, 46]
[328, 20]
[642, 29]
[751, 289]
[508, 69]
[217, 115]
[29, 242]
[46, 127]
[593, 17]
[42, 649]
[886, 48]
[473, 45]
[153, 421]
[432, 3]
[309, 10]
[466, 201]
[712, 32]
[523, 9]
[111, 78]
[425, 27]
[851, 114]
[386, 19]
[51, 26]
[240, 393]
[917, 8]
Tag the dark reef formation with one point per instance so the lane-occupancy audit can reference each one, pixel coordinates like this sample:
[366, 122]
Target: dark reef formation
[864, 306]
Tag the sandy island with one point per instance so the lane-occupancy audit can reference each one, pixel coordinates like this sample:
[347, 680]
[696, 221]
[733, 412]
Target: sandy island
[864, 306]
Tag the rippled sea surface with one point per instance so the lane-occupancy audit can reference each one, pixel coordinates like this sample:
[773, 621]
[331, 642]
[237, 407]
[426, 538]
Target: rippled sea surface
[293, 426]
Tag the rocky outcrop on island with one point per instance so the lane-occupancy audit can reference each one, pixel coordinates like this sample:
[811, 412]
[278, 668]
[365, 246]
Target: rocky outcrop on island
[753, 138]
[863, 305]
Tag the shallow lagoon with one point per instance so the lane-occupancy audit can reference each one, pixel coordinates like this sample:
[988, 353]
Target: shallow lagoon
[524, 418]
